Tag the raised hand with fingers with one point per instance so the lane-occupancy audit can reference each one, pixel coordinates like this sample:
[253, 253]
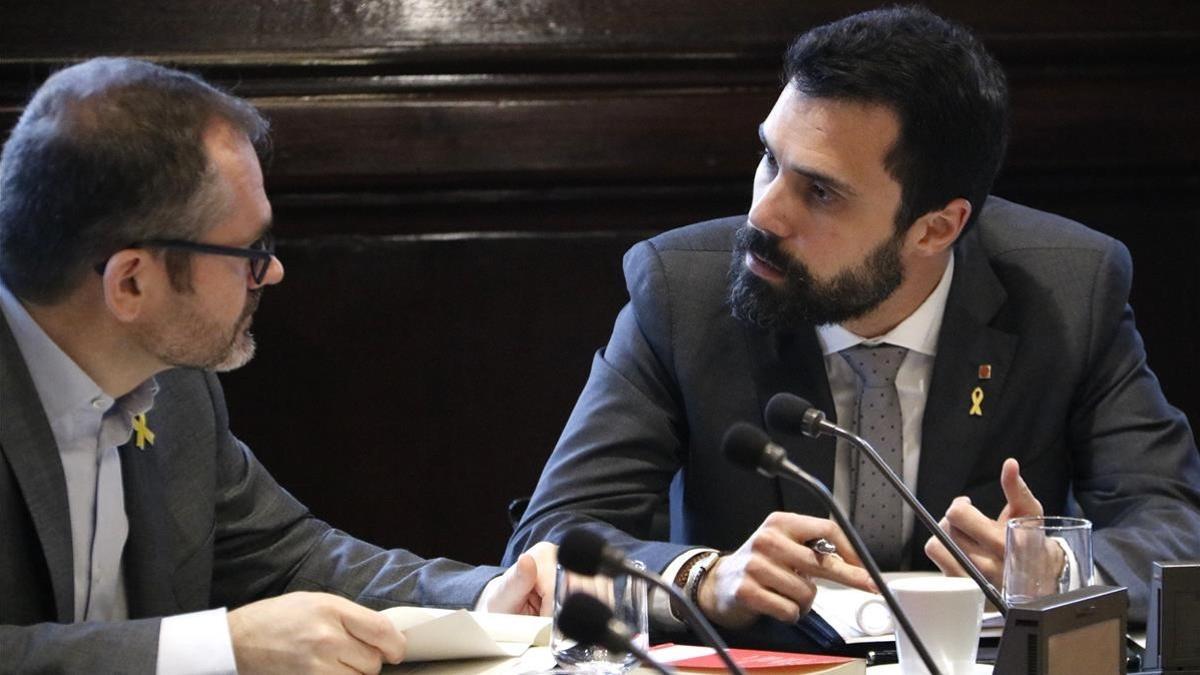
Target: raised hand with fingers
[772, 572]
[982, 538]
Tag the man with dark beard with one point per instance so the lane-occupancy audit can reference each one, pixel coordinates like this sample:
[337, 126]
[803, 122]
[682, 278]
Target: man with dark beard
[875, 277]
[134, 247]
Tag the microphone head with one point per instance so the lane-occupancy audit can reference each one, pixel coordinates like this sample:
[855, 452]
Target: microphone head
[584, 619]
[582, 552]
[789, 414]
[744, 445]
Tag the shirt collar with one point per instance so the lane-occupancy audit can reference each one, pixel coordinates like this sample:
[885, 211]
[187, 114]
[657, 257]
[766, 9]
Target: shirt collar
[61, 384]
[918, 332]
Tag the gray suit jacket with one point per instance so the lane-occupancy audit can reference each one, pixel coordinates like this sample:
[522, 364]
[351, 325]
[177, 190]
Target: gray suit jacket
[208, 527]
[1041, 299]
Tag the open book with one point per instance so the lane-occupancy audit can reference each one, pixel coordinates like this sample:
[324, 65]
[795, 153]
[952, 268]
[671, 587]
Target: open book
[441, 634]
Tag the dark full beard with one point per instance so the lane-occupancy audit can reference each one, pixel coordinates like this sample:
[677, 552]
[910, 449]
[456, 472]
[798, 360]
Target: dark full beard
[800, 299]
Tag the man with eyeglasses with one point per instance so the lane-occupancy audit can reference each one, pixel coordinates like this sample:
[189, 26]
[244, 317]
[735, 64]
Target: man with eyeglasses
[134, 247]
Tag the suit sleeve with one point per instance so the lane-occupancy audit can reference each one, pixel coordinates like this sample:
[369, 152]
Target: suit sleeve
[612, 468]
[89, 647]
[1137, 470]
[267, 543]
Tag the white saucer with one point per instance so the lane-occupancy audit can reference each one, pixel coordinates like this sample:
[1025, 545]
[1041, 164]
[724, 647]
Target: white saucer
[894, 669]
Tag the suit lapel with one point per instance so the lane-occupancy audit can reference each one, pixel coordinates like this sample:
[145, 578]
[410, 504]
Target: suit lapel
[951, 436]
[792, 362]
[28, 444]
[147, 559]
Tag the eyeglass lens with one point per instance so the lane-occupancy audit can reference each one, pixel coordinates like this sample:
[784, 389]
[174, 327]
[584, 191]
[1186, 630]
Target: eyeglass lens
[259, 266]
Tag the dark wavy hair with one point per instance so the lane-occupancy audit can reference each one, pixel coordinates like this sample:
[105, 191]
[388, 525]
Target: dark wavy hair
[107, 153]
[949, 94]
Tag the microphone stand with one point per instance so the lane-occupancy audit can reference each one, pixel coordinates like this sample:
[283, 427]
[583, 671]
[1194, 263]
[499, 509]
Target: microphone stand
[786, 469]
[586, 552]
[695, 618]
[814, 424]
[587, 620]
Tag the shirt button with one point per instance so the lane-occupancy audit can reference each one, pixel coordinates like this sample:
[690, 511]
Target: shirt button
[98, 403]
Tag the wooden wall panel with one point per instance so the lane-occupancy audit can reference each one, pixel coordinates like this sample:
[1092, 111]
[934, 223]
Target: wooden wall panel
[407, 388]
[455, 181]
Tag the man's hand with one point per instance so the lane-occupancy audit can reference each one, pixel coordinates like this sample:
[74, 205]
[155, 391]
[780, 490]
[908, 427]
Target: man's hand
[312, 632]
[771, 573]
[980, 537]
[525, 588]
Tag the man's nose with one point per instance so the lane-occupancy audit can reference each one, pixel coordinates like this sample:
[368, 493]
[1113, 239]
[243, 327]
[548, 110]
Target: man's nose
[770, 211]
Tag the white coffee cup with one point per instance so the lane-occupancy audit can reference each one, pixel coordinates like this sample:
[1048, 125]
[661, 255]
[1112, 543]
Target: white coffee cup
[945, 613]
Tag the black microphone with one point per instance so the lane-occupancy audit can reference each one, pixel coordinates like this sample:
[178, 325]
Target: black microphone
[585, 552]
[788, 413]
[750, 448]
[588, 621]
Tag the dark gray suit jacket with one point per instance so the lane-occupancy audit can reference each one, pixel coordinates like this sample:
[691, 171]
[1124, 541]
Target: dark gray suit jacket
[208, 527]
[1041, 299]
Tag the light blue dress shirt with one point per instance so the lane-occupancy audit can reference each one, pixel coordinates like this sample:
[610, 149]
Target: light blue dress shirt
[88, 427]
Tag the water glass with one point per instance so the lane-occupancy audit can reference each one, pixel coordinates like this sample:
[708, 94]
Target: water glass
[625, 596]
[1046, 555]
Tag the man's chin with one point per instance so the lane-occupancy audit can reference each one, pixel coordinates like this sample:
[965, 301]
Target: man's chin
[239, 354]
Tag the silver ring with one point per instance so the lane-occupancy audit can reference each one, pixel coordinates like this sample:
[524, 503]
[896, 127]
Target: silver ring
[822, 546]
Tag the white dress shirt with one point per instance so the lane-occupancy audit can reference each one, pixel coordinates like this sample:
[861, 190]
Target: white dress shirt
[88, 426]
[919, 335]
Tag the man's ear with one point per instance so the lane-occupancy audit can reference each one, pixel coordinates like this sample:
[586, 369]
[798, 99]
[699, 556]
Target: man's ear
[128, 280]
[937, 230]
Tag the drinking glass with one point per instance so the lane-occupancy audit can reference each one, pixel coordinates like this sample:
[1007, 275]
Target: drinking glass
[625, 595]
[1046, 555]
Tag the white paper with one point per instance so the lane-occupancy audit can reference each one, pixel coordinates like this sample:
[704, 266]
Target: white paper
[859, 616]
[440, 634]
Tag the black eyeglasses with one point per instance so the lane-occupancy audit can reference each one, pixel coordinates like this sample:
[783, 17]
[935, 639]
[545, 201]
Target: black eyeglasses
[259, 253]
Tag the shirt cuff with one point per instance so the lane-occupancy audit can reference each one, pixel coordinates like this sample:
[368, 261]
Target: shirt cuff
[195, 644]
[1071, 570]
[660, 602]
[486, 593]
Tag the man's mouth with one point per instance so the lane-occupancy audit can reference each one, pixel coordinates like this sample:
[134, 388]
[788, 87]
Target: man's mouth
[763, 268]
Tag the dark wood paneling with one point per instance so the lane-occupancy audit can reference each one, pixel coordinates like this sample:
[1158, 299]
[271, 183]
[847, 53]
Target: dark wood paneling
[407, 388]
[264, 30]
[455, 180]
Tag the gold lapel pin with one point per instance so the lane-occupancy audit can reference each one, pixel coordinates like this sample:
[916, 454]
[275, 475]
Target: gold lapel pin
[985, 371]
[977, 402]
[142, 432]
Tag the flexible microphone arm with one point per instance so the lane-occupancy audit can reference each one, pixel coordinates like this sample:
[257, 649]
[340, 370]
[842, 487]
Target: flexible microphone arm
[751, 448]
[587, 620]
[781, 413]
[585, 552]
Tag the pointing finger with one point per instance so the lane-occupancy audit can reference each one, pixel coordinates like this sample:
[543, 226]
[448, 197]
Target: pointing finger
[1021, 501]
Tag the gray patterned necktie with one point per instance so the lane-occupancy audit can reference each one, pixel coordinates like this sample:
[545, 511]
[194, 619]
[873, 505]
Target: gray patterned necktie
[877, 509]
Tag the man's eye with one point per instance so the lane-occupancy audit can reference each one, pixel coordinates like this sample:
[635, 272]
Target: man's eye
[821, 194]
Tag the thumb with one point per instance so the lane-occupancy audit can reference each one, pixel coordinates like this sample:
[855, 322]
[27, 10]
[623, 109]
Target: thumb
[514, 587]
[1021, 501]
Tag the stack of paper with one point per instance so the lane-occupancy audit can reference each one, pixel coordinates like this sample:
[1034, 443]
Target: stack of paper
[441, 634]
[859, 616]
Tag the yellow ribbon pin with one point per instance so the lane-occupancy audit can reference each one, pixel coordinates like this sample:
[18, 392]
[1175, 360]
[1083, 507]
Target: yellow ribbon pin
[977, 401]
[142, 432]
